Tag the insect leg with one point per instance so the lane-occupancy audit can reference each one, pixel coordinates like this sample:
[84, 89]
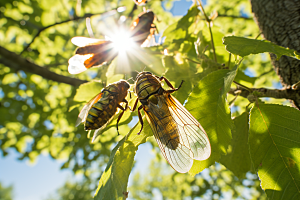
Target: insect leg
[120, 116]
[126, 102]
[140, 118]
[170, 85]
[135, 104]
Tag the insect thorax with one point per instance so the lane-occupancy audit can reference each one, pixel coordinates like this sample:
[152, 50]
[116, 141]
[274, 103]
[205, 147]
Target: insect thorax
[146, 86]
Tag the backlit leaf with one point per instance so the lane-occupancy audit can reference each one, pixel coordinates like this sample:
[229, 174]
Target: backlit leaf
[238, 157]
[244, 46]
[207, 103]
[114, 180]
[274, 141]
[87, 91]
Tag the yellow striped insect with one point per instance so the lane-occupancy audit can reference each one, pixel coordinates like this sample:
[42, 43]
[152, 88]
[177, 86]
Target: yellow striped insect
[100, 110]
[179, 135]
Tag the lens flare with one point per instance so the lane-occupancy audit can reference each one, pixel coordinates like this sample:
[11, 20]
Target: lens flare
[122, 41]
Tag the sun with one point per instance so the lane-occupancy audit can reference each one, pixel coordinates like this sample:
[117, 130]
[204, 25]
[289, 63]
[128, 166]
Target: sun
[122, 42]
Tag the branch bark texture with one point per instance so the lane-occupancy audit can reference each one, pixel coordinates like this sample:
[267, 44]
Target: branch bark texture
[287, 93]
[279, 22]
[17, 62]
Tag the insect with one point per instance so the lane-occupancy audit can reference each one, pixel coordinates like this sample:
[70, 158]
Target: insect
[140, 2]
[179, 135]
[143, 28]
[91, 52]
[100, 110]
[96, 52]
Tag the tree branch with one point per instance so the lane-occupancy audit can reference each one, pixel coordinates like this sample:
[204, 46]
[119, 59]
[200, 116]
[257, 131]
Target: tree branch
[287, 93]
[17, 62]
[235, 17]
[76, 18]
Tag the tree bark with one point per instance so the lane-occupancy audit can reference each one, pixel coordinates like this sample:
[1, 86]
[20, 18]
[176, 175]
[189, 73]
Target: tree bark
[279, 22]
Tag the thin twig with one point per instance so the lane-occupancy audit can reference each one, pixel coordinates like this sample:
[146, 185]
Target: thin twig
[296, 86]
[210, 31]
[62, 22]
[235, 17]
[245, 87]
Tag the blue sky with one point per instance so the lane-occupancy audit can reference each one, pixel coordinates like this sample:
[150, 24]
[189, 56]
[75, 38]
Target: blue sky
[36, 182]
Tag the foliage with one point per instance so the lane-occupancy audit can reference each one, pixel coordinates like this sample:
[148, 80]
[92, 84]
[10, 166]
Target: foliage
[38, 115]
[6, 193]
[215, 183]
[79, 190]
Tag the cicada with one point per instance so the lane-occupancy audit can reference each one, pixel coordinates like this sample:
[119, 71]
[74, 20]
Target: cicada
[91, 52]
[179, 135]
[143, 28]
[100, 110]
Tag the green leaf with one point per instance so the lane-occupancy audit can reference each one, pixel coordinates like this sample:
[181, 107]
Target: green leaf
[180, 29]
[87, 91]
[114, 180]
[244, 46]
[179, 70]
[207, 103]
[179, 36]
[243, 79]
[238, 157]
[275, 149]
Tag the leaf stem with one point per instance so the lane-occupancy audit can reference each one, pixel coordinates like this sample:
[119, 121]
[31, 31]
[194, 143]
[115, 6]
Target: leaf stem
[192, 61]
[229, 60]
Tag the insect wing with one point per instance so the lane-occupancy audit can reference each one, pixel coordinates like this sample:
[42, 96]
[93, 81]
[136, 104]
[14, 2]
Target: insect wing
[76, 63]
[192, 141]
[141, 28]
[162, 125]
[191, 133]
[91, 52]
[84, 112]
[84, 41]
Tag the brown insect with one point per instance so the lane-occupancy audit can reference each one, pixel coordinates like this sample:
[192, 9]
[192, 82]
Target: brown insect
[143, 28]
[95, 52]
[100, 110]
[179, 135]
[91, 52]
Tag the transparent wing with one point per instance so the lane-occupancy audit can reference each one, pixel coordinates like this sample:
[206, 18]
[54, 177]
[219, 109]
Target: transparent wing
[76, 63]
[179, 135]
[84, 112]
[192, 134]
[180, 158]
[83, 41]
[165, 131]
